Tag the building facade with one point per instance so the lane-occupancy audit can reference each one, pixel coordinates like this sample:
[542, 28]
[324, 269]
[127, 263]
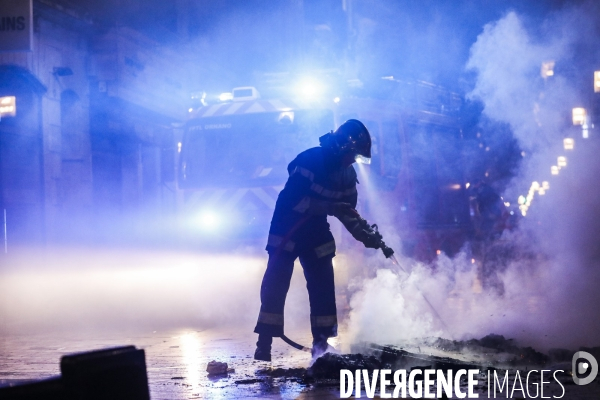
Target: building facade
[92, 140]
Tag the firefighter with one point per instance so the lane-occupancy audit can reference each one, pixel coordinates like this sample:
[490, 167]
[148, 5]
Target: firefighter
[321, 182]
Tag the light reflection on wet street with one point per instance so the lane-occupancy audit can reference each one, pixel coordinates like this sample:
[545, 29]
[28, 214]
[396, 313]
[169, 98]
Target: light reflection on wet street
[54, 303]
[176, 362]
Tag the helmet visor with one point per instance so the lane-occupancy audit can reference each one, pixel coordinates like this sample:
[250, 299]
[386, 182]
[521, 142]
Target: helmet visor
[362, 159]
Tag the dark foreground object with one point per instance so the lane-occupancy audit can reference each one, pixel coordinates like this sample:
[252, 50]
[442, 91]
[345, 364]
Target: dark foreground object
[116, 374]
[216, 368]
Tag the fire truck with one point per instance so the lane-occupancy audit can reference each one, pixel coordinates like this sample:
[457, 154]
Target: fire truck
[234, 153]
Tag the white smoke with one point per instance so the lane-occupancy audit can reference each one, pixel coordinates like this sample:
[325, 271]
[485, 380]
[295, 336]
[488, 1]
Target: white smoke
[550, 284]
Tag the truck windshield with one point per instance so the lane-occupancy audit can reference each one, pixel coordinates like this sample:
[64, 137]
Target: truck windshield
[248, 150]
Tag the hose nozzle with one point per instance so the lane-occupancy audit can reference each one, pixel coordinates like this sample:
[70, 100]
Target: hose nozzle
[387, 251]
[374, 231]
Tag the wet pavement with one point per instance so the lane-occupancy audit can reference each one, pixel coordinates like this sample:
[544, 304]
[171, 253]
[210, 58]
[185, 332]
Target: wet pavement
[177, 359]
[176, 363]
[93, 296]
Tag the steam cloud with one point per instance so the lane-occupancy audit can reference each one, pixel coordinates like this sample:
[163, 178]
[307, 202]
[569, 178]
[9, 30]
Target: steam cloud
[549, 283]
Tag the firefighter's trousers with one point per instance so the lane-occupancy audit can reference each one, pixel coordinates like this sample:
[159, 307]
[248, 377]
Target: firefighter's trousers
[321, 293]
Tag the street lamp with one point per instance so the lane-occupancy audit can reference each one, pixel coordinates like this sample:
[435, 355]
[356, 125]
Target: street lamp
[579, 115]
[568, 143]
[562, 161]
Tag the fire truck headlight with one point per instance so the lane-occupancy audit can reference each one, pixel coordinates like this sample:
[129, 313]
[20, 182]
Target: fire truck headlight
[226, 96]
[309, 88]
[362, 159]
[209, 220]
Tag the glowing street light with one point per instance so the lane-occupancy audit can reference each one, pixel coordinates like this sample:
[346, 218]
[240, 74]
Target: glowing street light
[596, 81]
[8, 106]
[562, 161]
[568, 143]
[579, 115]
[547, 69]
[554, 170]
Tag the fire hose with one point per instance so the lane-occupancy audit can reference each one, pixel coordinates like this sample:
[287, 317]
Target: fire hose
[388, 252]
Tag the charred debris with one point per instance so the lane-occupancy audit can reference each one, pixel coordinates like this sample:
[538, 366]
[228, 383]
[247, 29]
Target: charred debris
[488, 353]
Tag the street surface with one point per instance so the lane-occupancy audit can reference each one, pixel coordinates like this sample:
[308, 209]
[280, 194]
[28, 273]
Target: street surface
[184, 310]
[176, 364]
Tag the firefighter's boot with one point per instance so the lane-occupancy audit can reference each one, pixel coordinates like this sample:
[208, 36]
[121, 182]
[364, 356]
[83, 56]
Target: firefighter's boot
[319, 347]
[263, 348]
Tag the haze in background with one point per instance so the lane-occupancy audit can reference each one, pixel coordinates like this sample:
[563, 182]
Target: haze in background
[115, 290]
[551, 284]
[549, 300]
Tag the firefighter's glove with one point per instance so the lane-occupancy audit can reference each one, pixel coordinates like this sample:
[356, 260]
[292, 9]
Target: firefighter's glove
[341, 210]
[371, 240]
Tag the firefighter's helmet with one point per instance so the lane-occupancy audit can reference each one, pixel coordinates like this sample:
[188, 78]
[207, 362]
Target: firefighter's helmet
[351, 137]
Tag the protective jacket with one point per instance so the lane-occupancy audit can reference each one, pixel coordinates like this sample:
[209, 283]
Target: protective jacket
[299, 229]
[299, 221]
